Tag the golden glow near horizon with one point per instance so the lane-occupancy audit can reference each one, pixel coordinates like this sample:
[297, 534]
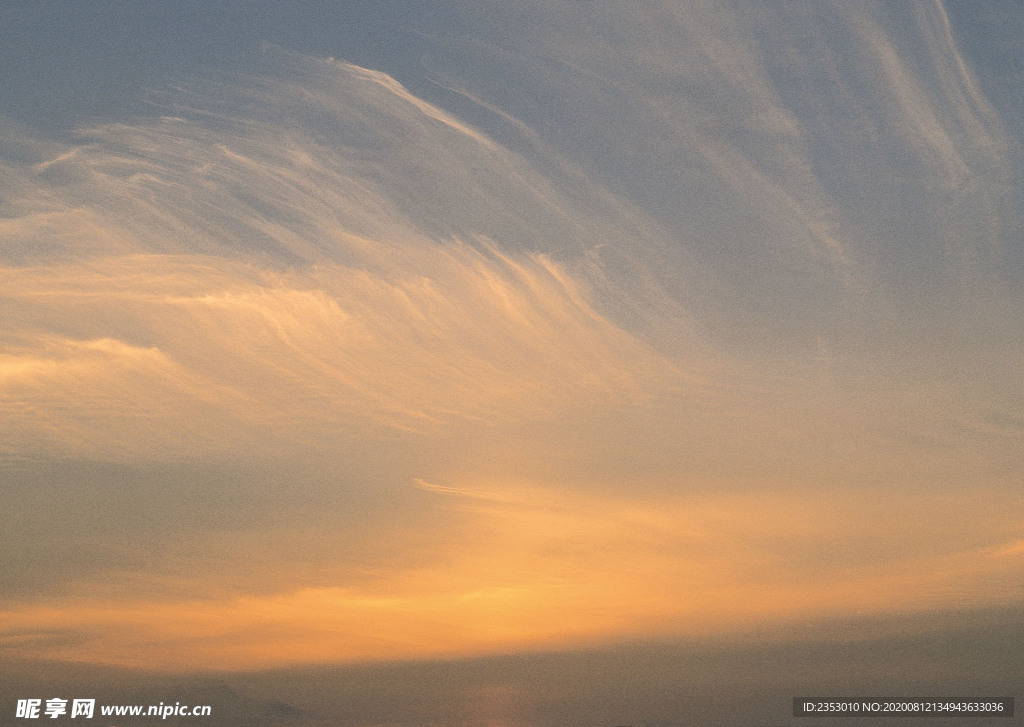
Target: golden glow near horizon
[310, 369]
[537, 569]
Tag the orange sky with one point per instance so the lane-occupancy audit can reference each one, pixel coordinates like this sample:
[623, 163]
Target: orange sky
[533, 568]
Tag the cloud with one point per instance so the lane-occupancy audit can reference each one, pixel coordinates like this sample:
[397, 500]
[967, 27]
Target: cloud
[811, 160]
[693, 352]
[461, 333]
[273, 270]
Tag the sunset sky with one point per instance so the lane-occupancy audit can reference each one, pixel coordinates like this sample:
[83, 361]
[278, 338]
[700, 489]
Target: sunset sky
[374, 331]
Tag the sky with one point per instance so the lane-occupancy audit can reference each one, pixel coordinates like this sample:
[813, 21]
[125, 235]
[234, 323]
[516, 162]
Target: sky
[335, 335]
